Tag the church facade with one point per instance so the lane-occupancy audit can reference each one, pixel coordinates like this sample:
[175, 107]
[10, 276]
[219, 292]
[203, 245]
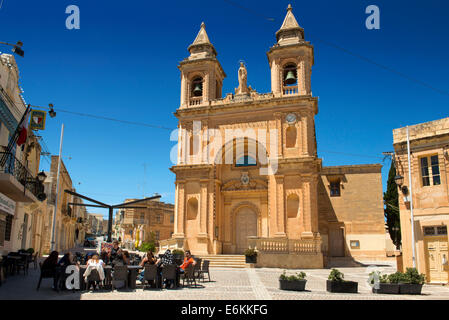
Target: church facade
[248, 174]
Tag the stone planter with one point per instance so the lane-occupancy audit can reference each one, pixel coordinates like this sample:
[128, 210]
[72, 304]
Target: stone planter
[410, 288]
[297, 285]
[387, 288]
[251, 259]
[342, 286]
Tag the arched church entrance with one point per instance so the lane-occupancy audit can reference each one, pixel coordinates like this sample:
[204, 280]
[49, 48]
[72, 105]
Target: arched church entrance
[246, 226]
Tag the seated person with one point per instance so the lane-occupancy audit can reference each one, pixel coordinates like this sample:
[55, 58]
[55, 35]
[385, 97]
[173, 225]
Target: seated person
[104, 256]
[94, 263]
[115, 251]
[125, 257]
[50, 268]
[63, 263]
[148, 260]
[166, 259]
[188, 260]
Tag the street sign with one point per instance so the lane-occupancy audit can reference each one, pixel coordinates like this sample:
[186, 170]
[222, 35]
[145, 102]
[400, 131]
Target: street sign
[37, 119]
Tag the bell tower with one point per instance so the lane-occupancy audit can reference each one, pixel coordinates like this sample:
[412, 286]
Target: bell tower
[201, 73]
[290, 59]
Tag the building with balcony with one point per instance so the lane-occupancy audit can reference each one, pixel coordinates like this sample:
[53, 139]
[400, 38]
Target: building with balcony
[153, 222]
[23, 216]
[429, 158]
[248, 173]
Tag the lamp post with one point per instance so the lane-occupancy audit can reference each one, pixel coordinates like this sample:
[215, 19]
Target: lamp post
[17, 48]
[406, 191]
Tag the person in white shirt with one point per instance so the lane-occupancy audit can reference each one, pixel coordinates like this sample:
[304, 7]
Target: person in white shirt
[94, 263]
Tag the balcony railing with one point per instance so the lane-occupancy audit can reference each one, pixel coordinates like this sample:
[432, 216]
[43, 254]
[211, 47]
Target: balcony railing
[15, 168]
[291, 90]
[196, 101]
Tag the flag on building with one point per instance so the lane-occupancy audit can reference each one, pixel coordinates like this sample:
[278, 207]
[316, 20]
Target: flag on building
[23, 131]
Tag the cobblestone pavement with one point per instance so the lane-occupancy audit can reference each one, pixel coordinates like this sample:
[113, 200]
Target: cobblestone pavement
[226, 284]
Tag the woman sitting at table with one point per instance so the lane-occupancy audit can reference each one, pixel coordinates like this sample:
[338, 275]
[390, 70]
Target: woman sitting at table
[94, 263]
[125, 257]
[49, 267]
[148, 260]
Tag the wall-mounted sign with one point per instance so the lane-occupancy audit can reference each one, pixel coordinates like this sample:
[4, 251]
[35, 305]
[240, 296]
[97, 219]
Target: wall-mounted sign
[37, 119]
[7, 205]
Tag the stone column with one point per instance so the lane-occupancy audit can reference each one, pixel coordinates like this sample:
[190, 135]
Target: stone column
[278, 117]
[280, 207]
[184, 102]
[203, 208]
[309, 199]
[180, 210]
[275, 84]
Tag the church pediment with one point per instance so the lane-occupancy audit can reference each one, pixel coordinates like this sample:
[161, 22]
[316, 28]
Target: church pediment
[244, 183]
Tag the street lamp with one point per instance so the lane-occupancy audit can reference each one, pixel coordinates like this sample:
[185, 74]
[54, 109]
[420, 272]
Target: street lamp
[17, 48]
[52, 112]
[41, 176]
[400, 181]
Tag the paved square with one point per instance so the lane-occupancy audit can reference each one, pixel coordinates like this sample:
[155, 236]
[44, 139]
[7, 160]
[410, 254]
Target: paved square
[226, 284]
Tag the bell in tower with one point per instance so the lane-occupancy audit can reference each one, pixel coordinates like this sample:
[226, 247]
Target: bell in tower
[291, 59]
[201, 73]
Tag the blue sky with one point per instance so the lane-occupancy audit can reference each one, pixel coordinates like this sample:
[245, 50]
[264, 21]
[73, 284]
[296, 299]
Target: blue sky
[122, 64]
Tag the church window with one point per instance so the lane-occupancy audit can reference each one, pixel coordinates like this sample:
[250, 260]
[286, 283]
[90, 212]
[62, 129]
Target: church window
[246, 161]
[335, 188]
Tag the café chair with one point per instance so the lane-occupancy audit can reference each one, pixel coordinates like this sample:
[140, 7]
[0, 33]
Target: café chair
[45, 274]
[189, 275]
[204, 269]
[120, 274]
[169, 273]
[197, 267]
[150, 274]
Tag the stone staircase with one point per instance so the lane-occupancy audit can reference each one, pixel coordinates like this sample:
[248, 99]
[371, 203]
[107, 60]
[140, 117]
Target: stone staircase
[226, 261]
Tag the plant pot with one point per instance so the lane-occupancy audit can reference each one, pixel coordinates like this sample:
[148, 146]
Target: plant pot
[251, 259]
[387, 288]
[342, 286]
[410, 288]
[297, 285]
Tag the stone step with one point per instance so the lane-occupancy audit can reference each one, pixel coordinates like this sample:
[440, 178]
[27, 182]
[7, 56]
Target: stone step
[226, 261]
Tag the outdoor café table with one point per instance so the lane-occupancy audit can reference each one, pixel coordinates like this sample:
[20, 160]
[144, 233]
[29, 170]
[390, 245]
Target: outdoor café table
[14, 260]
[132, 275]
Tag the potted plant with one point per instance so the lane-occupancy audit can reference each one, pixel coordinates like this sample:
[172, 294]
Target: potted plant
[336, 283]
[388, 284]
[411, 282]
[294, 282]
[178, 254]
[250, 255]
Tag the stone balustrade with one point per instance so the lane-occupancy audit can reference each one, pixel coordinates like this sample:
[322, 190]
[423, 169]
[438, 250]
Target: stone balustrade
[286, 246]
[291, 90]
[196, 101]
[172, 243]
